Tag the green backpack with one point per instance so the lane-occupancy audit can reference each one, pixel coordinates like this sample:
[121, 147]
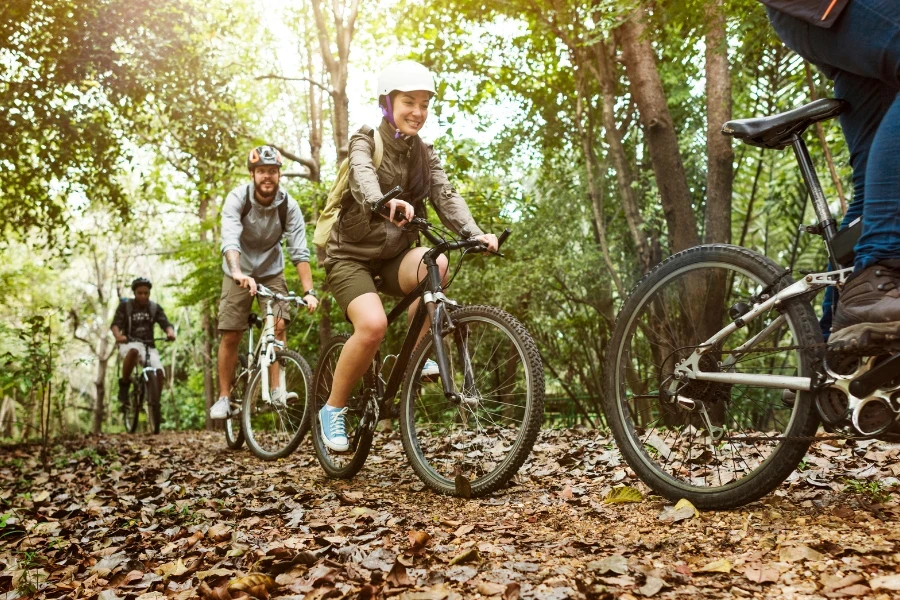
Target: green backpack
[341, 184]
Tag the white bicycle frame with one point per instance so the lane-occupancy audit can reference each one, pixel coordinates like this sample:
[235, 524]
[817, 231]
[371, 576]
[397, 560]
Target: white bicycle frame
[689, 368]
[268, 343]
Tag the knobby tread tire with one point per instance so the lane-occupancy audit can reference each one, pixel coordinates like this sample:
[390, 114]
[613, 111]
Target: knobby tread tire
[532, 420]
[246, 428]
[335, 343]
[234, 433]
[153, 402]
[788, 454]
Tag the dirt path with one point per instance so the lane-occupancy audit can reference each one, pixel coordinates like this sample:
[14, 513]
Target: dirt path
[179, 516]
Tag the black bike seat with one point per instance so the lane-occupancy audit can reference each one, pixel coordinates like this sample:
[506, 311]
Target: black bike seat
[777, 131]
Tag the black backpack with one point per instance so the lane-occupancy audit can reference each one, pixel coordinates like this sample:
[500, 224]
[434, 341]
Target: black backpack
[282, 210]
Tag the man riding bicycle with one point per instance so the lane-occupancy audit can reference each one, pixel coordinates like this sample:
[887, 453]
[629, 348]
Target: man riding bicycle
[255, 218]
[856, 43]
[134, 321]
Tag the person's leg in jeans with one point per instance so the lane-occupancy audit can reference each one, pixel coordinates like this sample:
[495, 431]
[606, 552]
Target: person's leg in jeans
[861, 52]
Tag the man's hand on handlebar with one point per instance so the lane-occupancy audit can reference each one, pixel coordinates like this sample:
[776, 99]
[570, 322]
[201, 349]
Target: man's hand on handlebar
[312, 303]
[244, 281]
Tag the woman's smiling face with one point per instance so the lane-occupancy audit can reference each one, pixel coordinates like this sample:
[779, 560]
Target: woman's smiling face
[410, 111]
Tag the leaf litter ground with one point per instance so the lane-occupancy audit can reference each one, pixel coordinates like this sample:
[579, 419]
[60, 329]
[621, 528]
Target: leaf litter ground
[180, 516]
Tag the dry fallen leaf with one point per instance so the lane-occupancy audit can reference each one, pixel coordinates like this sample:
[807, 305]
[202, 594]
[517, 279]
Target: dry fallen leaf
[797, 553]
[397, 577]
[717, 566]
[467, 556]
[623, 494]
[615, 564]
[489, 588]
[251, 581]
[418, 541]
[886, 582]
[761, 573]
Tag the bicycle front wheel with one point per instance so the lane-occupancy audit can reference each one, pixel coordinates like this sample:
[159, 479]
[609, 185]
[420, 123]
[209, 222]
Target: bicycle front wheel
[483, 438]
[359, 419]
[274, 428]
[131, 408]
[151, 396]
[234, 435]
[750, 437]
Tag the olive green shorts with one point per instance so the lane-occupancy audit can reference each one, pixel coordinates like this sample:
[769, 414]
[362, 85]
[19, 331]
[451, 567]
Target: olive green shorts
[349, 279]
[235, 302]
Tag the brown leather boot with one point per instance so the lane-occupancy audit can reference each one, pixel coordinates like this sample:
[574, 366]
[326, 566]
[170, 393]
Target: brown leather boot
[867, 319]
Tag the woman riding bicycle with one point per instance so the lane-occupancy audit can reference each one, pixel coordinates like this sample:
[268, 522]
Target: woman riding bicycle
[364, 244]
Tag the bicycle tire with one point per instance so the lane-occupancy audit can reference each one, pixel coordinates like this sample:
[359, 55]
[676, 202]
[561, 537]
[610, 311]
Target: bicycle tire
[503, 404]
[234, 434]
[271, 431]
[342, 465]
[660, 321]
[131, 409]
[152, 397]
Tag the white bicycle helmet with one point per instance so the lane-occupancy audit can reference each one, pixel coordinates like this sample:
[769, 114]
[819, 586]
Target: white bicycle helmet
[405, 76]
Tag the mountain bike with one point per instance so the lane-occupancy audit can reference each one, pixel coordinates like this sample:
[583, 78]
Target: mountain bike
[466, 431]
[717, 375]
[273, 427]
[144, 389]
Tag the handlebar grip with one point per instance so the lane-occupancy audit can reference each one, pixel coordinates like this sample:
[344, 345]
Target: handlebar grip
[392, 193]
[502, 237]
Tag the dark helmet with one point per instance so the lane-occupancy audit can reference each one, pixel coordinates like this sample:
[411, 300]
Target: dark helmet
[139, 282]
[263, 155]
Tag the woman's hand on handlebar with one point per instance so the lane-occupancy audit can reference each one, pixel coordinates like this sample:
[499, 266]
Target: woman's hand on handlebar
[489, 240]
[393, 209]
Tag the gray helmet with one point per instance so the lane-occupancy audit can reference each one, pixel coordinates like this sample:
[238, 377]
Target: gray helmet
[138, 282]
[264, 155]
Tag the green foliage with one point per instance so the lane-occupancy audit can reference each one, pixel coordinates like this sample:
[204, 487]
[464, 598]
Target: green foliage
[873, 491]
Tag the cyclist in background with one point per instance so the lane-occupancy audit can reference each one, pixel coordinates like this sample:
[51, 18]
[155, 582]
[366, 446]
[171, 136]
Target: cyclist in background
[135, 318]
[856, 43]
[255, 218]
[364, 244]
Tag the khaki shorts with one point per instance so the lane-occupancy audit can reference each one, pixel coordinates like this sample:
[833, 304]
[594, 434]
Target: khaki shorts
[235, 302]
[154, 354]
[349, 279]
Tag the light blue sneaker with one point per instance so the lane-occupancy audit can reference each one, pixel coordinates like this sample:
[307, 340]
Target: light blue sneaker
[430, 371]
[334, 432]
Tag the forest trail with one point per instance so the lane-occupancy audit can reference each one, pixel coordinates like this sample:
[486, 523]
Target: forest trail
[180, 516]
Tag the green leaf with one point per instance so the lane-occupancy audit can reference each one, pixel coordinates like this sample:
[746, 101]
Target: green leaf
[621, 495]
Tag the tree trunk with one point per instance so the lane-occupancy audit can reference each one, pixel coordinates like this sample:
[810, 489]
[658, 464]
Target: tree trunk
[103, 355]
[659, 131]
[719, 153]
[603, 71]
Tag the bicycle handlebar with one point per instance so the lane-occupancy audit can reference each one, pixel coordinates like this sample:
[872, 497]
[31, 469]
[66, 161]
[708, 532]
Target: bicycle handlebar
[134, 339]
[262, 290]
[423, 226]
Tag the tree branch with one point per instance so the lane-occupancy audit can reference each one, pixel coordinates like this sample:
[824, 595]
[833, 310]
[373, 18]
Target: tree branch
[318, 84]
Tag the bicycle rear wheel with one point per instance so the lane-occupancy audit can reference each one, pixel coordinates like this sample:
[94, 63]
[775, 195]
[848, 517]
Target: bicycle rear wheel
[131, 408]
[359, 419]
[674, 309]
[274, 429]
[151, 396]
[234, 435]
[487, 436]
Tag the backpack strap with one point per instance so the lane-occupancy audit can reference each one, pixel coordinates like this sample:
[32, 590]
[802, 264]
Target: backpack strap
[282, 209]
[129, 309]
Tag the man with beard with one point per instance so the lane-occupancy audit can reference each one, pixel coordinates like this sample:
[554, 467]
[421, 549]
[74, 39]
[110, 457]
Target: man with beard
[255, 218]
[132, 327]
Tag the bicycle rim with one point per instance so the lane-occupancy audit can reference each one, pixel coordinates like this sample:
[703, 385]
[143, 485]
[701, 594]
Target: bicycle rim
[342, 464]
[676, 308]
[481, 441]
[274, 429]
[131, 410]
[234, 435]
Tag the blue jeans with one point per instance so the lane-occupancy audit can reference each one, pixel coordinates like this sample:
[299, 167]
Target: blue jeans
[861, 54]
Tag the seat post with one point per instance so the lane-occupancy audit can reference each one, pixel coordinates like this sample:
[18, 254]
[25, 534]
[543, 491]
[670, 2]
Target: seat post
[823, 213]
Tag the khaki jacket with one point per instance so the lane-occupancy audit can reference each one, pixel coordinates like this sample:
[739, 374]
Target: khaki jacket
[359, 234]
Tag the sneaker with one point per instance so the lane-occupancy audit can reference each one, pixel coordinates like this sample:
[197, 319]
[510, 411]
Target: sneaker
[280, 398]
[430, 370]
[867, 319]
[124, 384]
[334, 432]
[220, 409]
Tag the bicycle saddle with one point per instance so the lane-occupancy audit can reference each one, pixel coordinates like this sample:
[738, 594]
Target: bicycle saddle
[777, 131]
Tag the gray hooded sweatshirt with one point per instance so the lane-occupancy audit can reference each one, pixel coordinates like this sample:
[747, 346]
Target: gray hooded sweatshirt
[258, 237]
